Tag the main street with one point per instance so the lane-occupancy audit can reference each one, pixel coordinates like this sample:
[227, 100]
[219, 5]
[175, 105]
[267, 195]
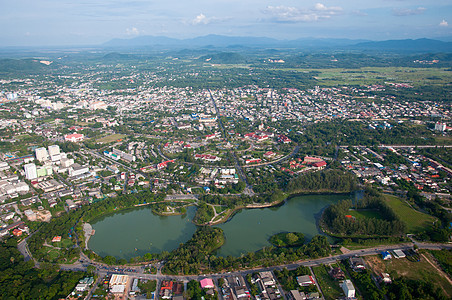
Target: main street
[138, 271]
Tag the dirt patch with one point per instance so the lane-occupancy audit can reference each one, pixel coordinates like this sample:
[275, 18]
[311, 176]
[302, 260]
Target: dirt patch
[375, 264]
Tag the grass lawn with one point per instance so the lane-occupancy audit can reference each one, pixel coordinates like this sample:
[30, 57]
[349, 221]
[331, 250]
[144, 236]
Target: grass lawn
[53, 254]
[65, 243]
[415, 220]
[362, 214]
[421, 270]
[111, 138]
[330, 287]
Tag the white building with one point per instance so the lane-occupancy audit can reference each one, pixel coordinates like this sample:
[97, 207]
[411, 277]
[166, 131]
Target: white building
[67, 162]
[41, 154]
[4, 166]
[54, 150]
[76, 170]
[348, 288]
[440, 126]
[30, 171]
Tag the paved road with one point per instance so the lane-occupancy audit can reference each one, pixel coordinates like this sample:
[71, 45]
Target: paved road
[104, 269]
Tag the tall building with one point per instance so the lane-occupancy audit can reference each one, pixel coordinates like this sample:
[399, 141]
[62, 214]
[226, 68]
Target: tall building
[54, 150]
[42, 154]
[30, 171]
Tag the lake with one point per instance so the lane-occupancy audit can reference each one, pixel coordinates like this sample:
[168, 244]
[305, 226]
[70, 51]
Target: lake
[138, 231]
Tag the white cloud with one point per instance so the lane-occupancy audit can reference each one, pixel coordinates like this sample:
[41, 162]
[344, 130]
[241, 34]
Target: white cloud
[403, 12]
[132, 31]
[444, 23]
[293, 14]
[200, 19]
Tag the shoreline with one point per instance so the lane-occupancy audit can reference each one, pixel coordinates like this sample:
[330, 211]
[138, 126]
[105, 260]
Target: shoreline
[271, 204]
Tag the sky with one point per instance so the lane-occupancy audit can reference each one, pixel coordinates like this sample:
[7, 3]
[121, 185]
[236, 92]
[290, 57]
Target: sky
[92, 22]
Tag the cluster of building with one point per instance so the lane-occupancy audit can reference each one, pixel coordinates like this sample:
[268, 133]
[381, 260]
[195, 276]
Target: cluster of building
[423, 172]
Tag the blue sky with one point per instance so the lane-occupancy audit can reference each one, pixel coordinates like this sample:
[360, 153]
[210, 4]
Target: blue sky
[90, 22]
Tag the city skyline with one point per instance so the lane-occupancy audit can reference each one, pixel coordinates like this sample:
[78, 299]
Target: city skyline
[44, 23]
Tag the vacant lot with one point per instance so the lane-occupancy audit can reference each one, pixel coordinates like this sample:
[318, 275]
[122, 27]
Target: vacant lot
[110, 138]
[330, 287]
[421, 270]
[415, 220]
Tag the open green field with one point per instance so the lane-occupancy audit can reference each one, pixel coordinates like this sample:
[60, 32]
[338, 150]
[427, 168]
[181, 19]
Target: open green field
[415, 220]
[330, 287]
[110, 138]
[421, 270]
[362, 214]
[373, 75]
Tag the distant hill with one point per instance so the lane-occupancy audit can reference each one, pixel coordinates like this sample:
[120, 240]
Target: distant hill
[118, 56]
[28, 66]
[223, 58]
[213, 40]
[408, 45]
[236, 42]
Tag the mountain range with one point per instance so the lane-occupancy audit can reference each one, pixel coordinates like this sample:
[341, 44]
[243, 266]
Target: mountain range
[220, 41]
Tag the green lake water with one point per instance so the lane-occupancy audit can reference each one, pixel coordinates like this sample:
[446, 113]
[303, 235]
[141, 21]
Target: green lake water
[138, 231]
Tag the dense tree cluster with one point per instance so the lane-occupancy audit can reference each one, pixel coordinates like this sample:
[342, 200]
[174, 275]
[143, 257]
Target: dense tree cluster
[336, 221]
[287, 239]
[20, 280]
[402, 288]
[324, 181]
[191, 257]
[194, 292]
[343, 132]
[204, 213]
[288, 279]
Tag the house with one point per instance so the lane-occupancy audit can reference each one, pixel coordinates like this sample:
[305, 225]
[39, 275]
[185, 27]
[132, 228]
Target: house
[267, 278]
[314, 295]
[384, 277]
[348, 288]
[56, 239]
[337, 273]
[297, 295]
[17, 232]
[207, 283]
[305, 280]
[386, 255]
[357, 263]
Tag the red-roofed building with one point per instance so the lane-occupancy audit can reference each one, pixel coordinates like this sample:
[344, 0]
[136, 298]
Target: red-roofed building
[253, 161]
[319, 165]
[167, 285]
[75, 137]
[283, 139]
[207, 283]
[17, 232]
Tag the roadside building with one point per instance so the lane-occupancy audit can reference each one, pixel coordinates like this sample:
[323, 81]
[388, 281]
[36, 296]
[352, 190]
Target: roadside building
[305, 280]
[207, 283]
[348, 288]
